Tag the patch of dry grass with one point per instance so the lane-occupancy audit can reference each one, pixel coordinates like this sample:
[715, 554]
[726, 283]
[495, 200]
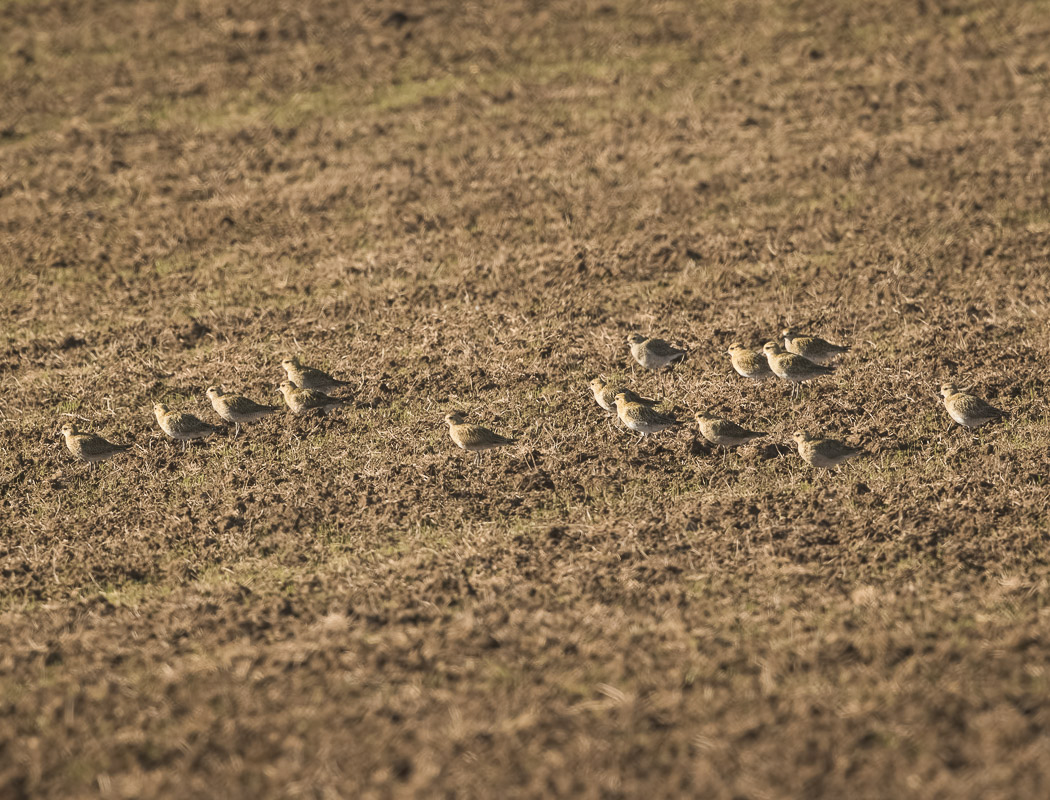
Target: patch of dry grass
[470, 209]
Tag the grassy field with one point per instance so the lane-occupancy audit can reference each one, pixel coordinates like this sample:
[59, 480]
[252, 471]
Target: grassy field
[458, 207]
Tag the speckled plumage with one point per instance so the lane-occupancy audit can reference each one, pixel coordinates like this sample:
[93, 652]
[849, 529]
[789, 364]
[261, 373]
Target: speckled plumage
[825, 453]
[90, 447]
[310, 378]
[814, 348]
[654, 353]
[724, 432]
[748, 363]
[966, 409]
[303, 401]
[471, 437]
[605, 395]
[791, 367]
[236, 408]
[181, 426]
[642, 418]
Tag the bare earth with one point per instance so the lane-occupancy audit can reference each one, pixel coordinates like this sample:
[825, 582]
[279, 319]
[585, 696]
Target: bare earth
[459, 208]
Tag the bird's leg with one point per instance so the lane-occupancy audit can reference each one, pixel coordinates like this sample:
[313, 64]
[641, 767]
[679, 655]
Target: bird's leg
[236, 429]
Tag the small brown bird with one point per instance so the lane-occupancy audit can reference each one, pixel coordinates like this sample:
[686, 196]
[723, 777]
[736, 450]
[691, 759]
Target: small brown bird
[824, 453]
[310, 378]
[812, 347]
[723, 432]
[605, 395]
[966, 409]
[237, 409]
[641, 418]
[793, 368]
[181, 426]
[473, 438]
[748, 363]
[90, 447]
[303, 401]
[654, 353]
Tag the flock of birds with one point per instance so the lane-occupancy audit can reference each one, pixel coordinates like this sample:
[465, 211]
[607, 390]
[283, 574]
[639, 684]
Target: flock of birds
[801, 359]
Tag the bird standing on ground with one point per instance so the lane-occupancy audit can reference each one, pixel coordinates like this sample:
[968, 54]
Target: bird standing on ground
[826, 453]
[181, 426]
[90, 447]
[793, 368]
[473, 438]
[812, 347]
[966, 409]
[303, 401]
[310, 378]
[748, 363]
[654, 353]
[723, 432]
[641, 418]
[605, 395]
[237, 409]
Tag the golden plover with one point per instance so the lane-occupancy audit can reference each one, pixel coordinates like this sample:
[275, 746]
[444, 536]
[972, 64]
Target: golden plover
[748, 363]
[605, 395]
[303, 401]
[181, 426]
[824, 453]
[310, 378]
[653, 353]
[473, 438]
[791, 367]
[812, 347]
[724, 432]
[966, 409]
[237, 409]
[641, 418]
[89, 447]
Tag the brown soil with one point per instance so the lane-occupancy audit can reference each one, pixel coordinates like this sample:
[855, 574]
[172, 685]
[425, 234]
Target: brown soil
[462, 208]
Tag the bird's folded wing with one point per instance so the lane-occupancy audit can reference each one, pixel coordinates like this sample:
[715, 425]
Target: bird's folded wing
[658, 347]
